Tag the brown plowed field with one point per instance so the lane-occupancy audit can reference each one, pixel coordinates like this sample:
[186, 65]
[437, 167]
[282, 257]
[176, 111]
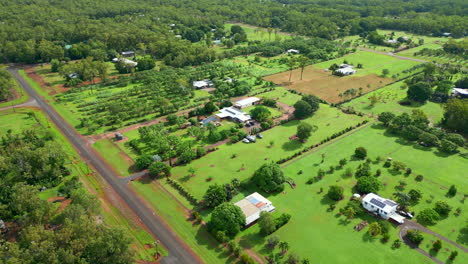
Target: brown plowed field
[325, 85]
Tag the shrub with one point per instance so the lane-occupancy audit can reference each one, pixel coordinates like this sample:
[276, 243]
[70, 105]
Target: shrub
[419, 178]
[448, 147]
[396, 243]
[414, 236]
[442, 208]
[282, 220]
[360, 153]
[335, 193]
[453, 255]
[246, 259]
[273, 241]
[437, 245]
[428, 216]
[452, 191]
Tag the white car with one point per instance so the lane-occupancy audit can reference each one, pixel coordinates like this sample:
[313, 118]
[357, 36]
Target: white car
[245, 140]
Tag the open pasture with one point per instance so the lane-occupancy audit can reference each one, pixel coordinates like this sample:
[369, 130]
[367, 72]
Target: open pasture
[317, 80]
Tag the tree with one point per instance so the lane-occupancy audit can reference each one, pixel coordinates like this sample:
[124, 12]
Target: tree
[385, 72]
[398, 166]
[428, 216]
[442, 208]
[375, 229]
[453, 255]
[269, 177]
[303, 61]
[415, 195]
[452, 191]
[260, 113]
[456, 114]
[215, 195]
[292, 259]
[335, 192]
[447, 146]
[143, 161]
[368, 184]
[360, 153]
[437, 245]
[304, 131]
[313, 101]
[284, 246]
[210, 107]
[419, 92]
[429, 139]
[291, 65]
[267, 223]
[455, 138]
[272, 241]
[343, 162]
[145, 63]
[226, 217]
[386, 118]
[349, 213]
[157, 168]
[414, 236]
[302, 109]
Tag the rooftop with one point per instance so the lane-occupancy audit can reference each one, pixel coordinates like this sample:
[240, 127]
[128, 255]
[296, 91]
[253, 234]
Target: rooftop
[253, 205]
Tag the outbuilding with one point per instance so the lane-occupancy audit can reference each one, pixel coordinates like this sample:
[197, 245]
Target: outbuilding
[295, 51]
[463, 93]
[247, 102]
[253, 205]
[118, 136]
[128, 54]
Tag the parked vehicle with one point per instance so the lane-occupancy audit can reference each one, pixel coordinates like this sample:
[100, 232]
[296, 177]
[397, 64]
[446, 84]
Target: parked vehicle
[259, 135]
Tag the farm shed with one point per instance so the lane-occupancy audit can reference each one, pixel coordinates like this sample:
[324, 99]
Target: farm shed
[128, 54]
[253, 205]
[382, 207]
[460, 92]
[202, 84]
[247, 102]
[295, 51]
[346, 69]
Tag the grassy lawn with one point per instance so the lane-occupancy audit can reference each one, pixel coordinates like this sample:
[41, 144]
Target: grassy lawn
[223, 168]
[259, 34]
[313, 230]
[110, 152]
[263, 67]
[444, 252]
[19, 120]
[196, 236]
[282, 95]
[388, 98]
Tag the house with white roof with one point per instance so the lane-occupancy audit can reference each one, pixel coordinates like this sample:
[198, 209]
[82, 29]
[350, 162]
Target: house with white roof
[382, 207]
[202, 84]
[460, 92]
[253, 205]
[247, 102]
[346, 69]
[233, 114]
[295, 51]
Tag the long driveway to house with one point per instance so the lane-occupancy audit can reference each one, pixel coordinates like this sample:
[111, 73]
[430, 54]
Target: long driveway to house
[178, 250]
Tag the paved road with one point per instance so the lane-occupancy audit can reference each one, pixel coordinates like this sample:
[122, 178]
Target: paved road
[30, 103]
[178, 251]
[410, 225]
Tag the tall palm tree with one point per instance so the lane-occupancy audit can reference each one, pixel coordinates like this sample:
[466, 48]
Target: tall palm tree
[303, 61]
[284, 246]
[291, 65]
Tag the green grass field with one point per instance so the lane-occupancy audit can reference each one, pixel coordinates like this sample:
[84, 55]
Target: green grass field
[313, 230]
[19, 120]
[444, 252]
[223, 168]
[259, 34]
[388, 98]
[372, 63]
[282, 95]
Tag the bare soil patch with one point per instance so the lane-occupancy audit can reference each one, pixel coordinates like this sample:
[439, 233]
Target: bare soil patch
[327, 86]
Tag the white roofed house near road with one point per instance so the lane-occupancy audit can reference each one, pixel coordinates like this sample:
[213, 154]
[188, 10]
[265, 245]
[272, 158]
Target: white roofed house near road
[382, 207]
[253, 205]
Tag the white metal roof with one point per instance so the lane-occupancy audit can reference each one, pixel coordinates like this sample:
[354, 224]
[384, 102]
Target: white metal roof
[253, 205]
[460, 91]
[247, 101]
[234, 113]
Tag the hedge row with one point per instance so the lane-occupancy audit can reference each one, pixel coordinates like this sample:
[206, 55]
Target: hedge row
[183, 191]
[333, 136]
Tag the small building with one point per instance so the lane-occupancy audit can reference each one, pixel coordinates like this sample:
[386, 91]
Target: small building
[233, 114]
[446, 34]
[178, 36]
[128, 54]
[202, 84]
[217, 41]
[342, 66]
[294, 51]
[382, 207]
[73, 75]
[118, 136]
[253, 205]
[346, 70]
[157, 158]
[460, 92]
[206, 121]
[127, 62]
[392, 41]
[172, 25]
[247, 102]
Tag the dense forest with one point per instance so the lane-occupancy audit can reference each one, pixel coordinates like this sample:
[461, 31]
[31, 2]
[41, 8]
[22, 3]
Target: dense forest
[165, 29]
[32, 161]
